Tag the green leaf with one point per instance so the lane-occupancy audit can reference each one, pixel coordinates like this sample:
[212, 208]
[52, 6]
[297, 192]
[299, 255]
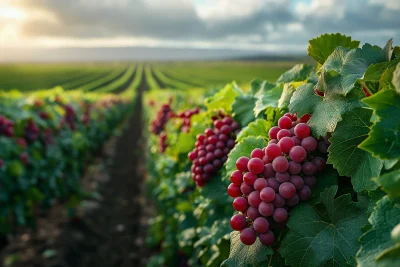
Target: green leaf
[269, 98]
[326, 111]
[345, 66]
[284, 101]
[390, 183]
[389, 257]
[255, 85]
[242, 109]
[325, 179]
[396, 78]
[345, 155]
[298, 73]
[373, 76]
[243, 148]
[224, 98]
[384, 139]
[264, 87]
[243, 256]
[316, 240]
[256, 128]
[321, 47]
[385, 217]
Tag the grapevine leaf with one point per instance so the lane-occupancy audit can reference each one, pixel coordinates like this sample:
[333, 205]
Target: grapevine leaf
[325, 179]
[243, 148]
[396, 78]
[299, 72]
[256, 128]
[224, 98]
[345, 155]
[219, 230]
[315, 240]
[212, 190]
[390, 183]
[265, 86]
[269, 98]
[345, 66]
[288, 90]
[321, 47]
[242, 109]
[373, 76]
[326, 111]
[374, 242]
[255, 85]
[384, 139]
[243, 256]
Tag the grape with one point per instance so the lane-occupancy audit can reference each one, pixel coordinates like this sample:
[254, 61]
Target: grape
[261, 225]
[318, 92]
[285, 122]
[249, 178]
[210, 148]
[241, 164]
[294, 167]
[304, 193]
[238, 222]
[260, 183]
[217, 163]
[280, 215]
[286, 143]
[283, 133]
[266, 209]
[209, 132]
[223, 138]
[257, 153]
[248, 236]
[273, 141]
[280, 164]
[218, 124]
[235, 126]
[226, 129]
[309, 168]
[227, 121]
[267, 238]
[220, 145]
[201, 137]
[254, 199]
[198, 170]
[192, 155]
[279, 201]
[302, 130]
[293, 117]
[268, 171]
[230, 144]
[234, 191]
[282, 177]
[298, 154]
[209, 168]
[224, 159]
[240, 204]
[291, 202]
[305, 118]
[273, 132]
[267, 194]
[297, 181]
[203, 161]
[246, 189]
[265, 159]
[210, 156]
[218, 153]
[273, 151]
[297, 141]
[310, 181]
[255, 165]
[226, 151]
[253, 213]
[322, 147]
[309, 143]
[237, 177]
[212, 140]
[320, 163]
[287, 190]
[273, 183]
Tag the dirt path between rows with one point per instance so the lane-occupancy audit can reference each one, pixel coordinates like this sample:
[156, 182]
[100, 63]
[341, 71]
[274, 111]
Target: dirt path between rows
[109, 231]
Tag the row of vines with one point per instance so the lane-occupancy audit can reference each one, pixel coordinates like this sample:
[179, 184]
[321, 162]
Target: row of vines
[47, 139]
[301, 172]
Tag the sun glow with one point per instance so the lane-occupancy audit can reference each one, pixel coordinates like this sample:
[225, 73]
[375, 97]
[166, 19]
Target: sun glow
[7, 12]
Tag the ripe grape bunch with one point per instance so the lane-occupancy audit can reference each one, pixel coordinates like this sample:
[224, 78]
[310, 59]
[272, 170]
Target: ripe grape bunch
[162, 117]
[6, 127]
[212, 148]
[185, 116]
[274, 179]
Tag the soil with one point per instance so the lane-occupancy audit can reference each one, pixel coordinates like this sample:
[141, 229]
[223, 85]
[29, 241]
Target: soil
[108, 230]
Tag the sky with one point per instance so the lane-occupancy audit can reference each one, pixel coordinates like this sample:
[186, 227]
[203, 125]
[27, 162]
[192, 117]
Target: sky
[45, 28]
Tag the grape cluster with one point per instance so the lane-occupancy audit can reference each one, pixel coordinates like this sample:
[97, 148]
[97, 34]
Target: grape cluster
[162, 117]
[212, 148]
[6, 127]
[185, 116]
[70, 115]
[31, 131]
[274, 179]
[163, 142]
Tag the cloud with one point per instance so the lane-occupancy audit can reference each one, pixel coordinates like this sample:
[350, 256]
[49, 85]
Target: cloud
[250, 24]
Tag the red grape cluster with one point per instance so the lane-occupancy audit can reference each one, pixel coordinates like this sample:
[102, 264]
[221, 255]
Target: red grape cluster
[162, 117]
[70, 115]
[185, 116]
[163, 142]
[274, 179]
[212, 149]
[6, 127]
[31, 131]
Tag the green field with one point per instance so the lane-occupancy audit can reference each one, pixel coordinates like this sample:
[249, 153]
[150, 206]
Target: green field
[115, 77]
